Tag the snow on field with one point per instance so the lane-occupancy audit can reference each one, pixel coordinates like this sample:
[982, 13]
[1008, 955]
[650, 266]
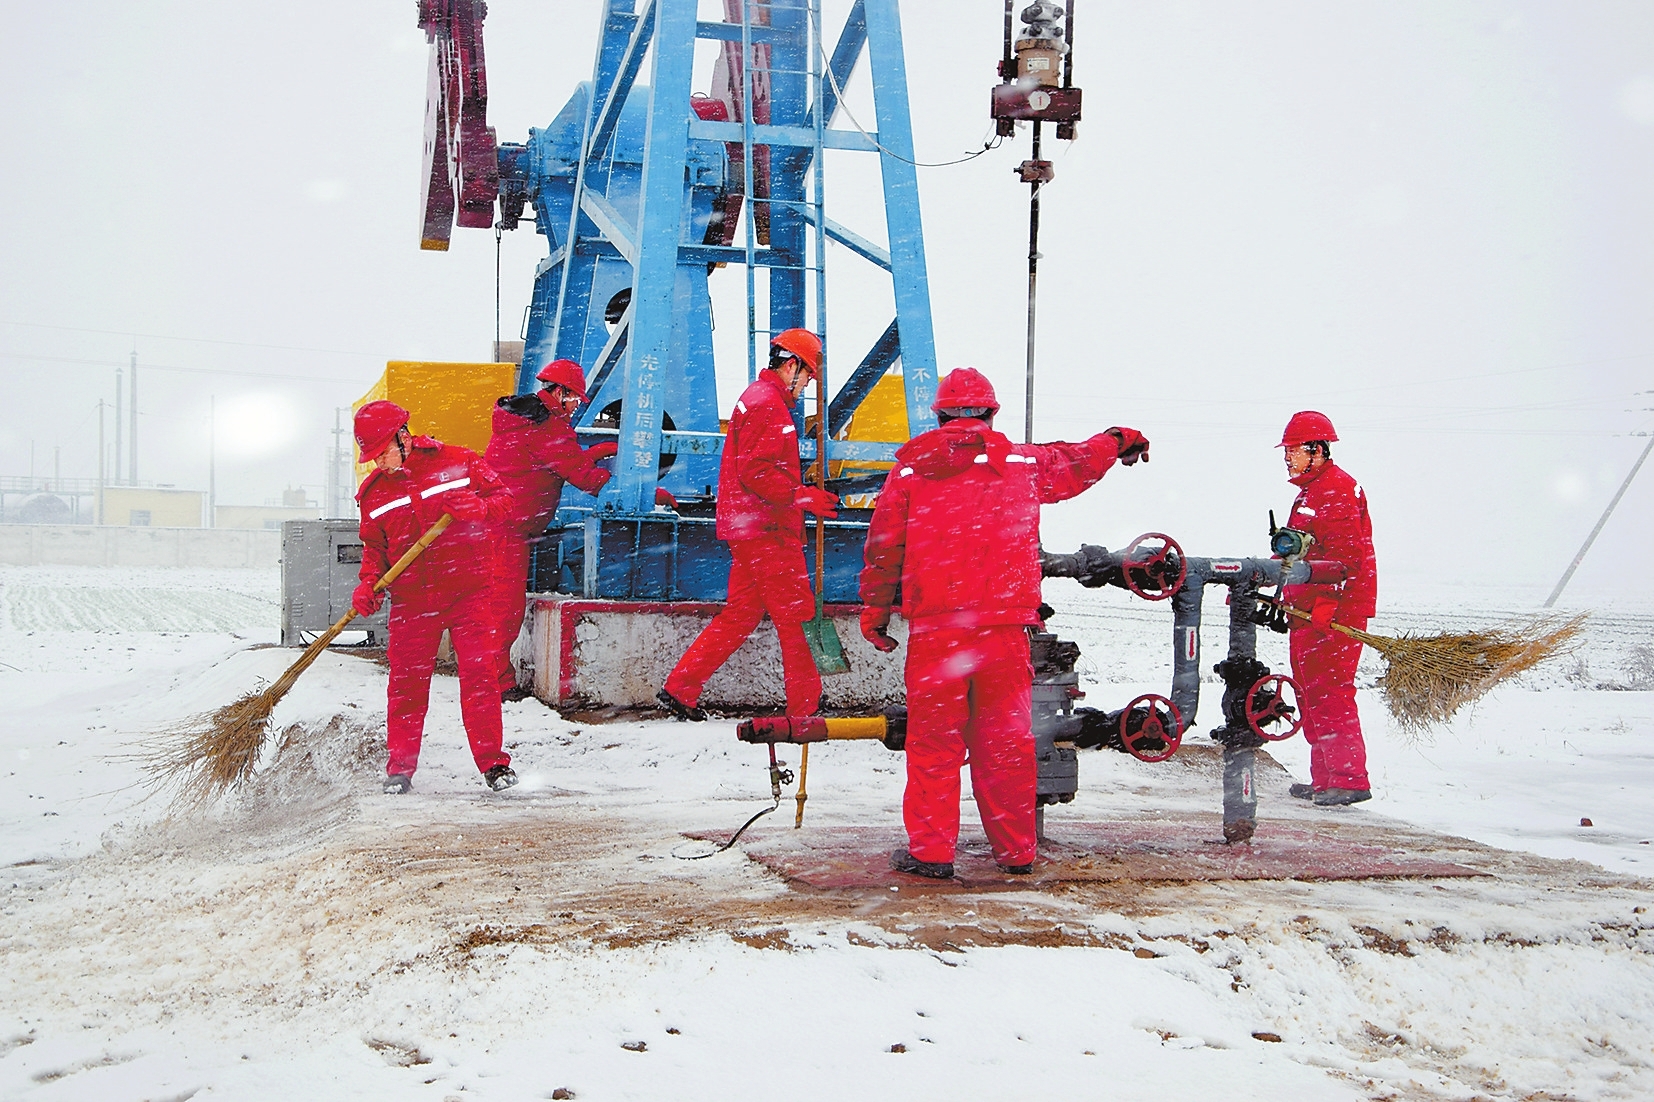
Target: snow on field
[316, 939]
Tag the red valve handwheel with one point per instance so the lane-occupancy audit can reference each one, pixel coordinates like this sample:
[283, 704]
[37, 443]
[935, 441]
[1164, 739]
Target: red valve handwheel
[1160, 723]
[1156, 565]
[1274, 699]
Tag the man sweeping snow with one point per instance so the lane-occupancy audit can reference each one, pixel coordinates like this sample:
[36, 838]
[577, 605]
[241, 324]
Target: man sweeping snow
[415, 480]
[956, 532]
[1332, 508]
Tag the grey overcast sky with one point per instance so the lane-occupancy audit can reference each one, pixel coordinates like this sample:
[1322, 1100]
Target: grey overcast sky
[1432, 221]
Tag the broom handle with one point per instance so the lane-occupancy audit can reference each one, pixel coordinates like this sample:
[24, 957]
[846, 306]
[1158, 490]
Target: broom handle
[821, 483]
[1302, 615]
[384, 582]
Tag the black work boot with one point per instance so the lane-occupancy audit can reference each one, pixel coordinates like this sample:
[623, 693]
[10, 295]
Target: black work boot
[679, 708]
[903, 861]
[397, 783]
[1340, 797]
[516, 693]
[1015, 870]
[500, 778]
[1238, 832]
[1302, 792]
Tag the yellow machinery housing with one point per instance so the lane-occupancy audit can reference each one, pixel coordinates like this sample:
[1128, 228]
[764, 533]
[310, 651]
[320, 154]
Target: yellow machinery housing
[453, 402]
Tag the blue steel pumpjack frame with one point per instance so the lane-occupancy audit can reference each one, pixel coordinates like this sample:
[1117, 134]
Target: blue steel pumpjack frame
[624, 185]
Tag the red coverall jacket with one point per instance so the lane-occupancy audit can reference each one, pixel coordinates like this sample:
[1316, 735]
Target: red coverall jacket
[533, 450]
[1332, 507]
[398, 506]
[759, 475]
[957, 524]
[957, 528]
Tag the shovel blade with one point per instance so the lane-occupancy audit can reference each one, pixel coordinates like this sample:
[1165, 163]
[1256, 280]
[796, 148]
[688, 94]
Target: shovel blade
[825, 646]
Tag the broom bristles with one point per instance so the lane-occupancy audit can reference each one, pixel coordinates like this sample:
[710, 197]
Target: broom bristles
[1429, 678]
[208, 755]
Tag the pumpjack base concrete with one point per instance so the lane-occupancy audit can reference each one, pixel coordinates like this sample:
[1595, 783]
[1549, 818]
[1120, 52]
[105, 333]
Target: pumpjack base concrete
[1183, 849]
[600, 653]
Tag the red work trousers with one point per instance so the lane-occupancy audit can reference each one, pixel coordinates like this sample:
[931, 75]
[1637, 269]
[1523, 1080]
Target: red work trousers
[1323, 664]
[510, 599]
[765, 576]
[416, 626]
[969, 694]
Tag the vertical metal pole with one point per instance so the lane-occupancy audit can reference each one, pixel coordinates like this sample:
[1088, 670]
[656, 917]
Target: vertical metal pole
[1595, 532]
[750, 208]
[97, 511]
[120, 419]
[1033, 281]
[904, 230]
[212, 461]
[132, 433]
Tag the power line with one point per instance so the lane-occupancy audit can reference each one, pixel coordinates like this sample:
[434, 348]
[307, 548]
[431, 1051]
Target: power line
[192, 340]
[29, 357]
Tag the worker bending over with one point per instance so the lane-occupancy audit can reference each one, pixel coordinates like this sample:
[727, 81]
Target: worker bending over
[761, 505]
[1332, 508]
[415, 480]
[534, 451]
[956, 533]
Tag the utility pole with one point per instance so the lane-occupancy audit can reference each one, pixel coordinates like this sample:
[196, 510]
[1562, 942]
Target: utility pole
[338, 481]
[133, 413]
[120, 416]
[97, 510]
[1595, 532]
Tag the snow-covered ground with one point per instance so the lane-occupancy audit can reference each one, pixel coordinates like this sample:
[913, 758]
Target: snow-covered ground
[316, 939]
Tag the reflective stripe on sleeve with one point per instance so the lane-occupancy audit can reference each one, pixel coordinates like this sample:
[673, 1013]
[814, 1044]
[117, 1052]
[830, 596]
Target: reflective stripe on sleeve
[444, 487]
[388, 506]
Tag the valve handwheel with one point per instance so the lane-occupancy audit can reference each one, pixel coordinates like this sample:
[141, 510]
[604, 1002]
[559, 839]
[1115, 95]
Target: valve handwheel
[1154, 573]
[1272, 708]
[1154, 732]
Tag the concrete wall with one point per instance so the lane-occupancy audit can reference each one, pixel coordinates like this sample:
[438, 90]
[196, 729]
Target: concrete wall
[86, 545]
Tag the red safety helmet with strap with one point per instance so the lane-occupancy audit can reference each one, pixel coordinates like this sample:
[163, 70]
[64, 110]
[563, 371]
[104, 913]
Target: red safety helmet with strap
[566, 374]
[965, 388]
[1306, 426]
[801, 343]
[377, 424]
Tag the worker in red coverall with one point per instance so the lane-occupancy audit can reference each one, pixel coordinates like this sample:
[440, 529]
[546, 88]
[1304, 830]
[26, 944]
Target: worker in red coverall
[956, 534]
[1332, 508]
[533, 451]
[416, 480]
[761, 506]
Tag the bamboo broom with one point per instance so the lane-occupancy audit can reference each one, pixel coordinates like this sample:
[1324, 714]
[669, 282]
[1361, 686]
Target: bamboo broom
[217, 751]
[1430, 677]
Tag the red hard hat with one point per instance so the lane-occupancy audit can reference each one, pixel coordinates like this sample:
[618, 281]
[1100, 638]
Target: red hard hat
[965, 388]
[564, 373]
[801, 343]
[1306, 426]
[376, 426]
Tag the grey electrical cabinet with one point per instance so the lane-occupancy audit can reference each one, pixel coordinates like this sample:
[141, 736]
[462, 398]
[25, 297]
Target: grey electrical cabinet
[319, 562]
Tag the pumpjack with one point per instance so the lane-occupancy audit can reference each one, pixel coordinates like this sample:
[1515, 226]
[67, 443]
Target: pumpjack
[646, 192]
